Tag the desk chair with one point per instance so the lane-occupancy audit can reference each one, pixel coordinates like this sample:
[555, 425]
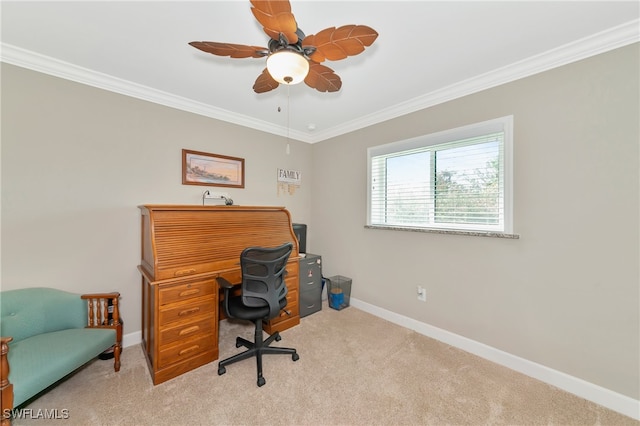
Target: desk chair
[264, 295]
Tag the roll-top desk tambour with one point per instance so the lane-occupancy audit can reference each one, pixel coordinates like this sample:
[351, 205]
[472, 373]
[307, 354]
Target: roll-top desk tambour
[184, 250]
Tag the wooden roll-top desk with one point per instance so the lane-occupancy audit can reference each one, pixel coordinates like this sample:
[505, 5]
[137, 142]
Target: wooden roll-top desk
[184, 250]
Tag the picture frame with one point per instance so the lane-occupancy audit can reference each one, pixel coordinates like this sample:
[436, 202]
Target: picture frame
[203, 168]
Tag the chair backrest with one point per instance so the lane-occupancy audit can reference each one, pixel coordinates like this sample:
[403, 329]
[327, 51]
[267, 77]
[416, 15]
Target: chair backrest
[263, 272]
[30, 311]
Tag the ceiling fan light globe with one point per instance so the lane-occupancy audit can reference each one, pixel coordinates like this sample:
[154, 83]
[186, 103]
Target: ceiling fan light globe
[287, 67]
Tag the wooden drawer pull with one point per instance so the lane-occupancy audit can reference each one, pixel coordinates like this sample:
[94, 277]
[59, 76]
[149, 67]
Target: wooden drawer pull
[187, 350]
[184, 272]
[189, 330]
[188, 311]
[189, 292]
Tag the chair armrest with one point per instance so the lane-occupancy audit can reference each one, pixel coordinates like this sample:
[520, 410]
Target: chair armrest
[103, 312]
[111, 295]
[6, 388]
[99, 307]
[224, 283]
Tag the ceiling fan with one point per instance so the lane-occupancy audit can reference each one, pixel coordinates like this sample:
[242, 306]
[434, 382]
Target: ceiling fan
[291, 56]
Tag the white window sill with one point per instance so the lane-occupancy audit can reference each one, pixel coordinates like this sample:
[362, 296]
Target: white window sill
[447, 231]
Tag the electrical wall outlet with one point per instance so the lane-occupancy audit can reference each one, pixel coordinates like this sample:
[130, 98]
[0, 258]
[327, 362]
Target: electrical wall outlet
[422, 294]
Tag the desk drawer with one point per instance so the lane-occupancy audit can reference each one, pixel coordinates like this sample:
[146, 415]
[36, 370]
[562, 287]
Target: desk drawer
[187, 331]
[186, 291]
[292, 283]
[185, 311]
[184, 350]
[292, 307]
[292, 272]
[310, 302]
[315, 284]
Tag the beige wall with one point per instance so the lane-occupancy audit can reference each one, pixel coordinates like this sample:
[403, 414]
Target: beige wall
[564, 295]
[76, 163]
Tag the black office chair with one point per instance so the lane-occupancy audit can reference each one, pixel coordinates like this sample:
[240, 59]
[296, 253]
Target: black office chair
[264, 295]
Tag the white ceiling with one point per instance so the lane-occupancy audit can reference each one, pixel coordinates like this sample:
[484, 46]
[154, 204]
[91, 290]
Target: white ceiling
[427, 52]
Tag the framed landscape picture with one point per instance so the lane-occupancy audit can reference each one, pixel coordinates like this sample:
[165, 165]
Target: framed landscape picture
[203, 168]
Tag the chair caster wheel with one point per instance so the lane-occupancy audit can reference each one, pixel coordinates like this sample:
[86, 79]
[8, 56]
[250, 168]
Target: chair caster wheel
[295, 357]
[221, 371]
[278, 338]
[261, 381]
[238, 344]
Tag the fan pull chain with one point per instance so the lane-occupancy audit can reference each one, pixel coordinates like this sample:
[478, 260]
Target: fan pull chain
[288, 149]
[288, 117]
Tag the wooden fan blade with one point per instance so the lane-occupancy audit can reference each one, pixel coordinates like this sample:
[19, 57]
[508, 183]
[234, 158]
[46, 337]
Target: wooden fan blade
[338, 43]
[322, 78]
[232, 50]
[276, 17]
[264, 83]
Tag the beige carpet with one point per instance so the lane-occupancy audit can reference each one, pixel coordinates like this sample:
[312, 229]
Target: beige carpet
[354, 369]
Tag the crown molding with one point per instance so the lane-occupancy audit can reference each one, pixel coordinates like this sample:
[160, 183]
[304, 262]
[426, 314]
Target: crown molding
[596, 44]
[610, 39]
[45, 64]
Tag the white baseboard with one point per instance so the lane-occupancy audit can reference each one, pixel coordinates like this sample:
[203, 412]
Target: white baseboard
[589, 391]
[131, 339]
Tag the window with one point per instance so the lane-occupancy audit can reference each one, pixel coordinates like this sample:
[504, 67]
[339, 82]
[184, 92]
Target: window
[458, 179]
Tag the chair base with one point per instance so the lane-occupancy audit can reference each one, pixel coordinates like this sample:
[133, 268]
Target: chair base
[257, 348]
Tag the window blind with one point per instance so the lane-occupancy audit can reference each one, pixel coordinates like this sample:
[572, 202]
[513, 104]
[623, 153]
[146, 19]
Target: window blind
[457, 184]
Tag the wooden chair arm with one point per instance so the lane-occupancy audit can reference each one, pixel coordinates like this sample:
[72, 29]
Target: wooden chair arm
[6, 388]
[114, 294]
[102, 310]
